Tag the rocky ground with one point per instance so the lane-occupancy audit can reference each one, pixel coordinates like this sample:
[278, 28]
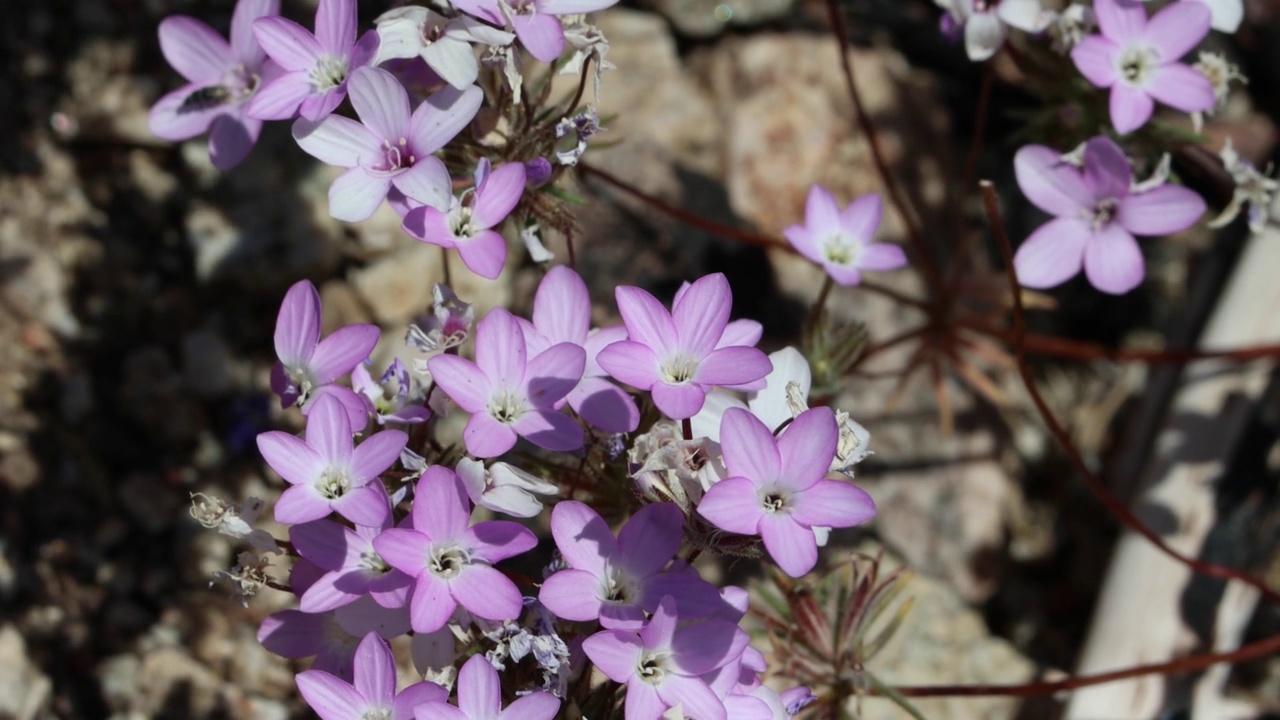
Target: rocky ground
[138, 290]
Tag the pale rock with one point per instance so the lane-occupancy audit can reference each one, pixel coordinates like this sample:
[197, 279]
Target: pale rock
[709, 18]
[24, 690]
[397, 286]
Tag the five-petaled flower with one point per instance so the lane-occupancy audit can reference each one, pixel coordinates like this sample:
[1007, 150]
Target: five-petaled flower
[373, 694]
[840, 240]
[480, 698]
[468, 225]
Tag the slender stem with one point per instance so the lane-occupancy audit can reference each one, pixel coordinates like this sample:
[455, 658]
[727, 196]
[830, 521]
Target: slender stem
[686, 426]
[582, 86]
[914, 236]
[1099, 488]
[573, 256]
[444, 262]
[819, 304]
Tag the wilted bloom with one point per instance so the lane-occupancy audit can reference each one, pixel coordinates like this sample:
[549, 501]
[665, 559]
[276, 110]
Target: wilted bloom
[352, 567]
[1220, 73]
[451, 560]
[1253, 188]
[444, 44]
[373, 692]
[246, 577]
[233, 521]
[674, 355]
[480, 698]
[328, 473]
[666, 467]
[840, 240]
[986, 23]
[468, 225]
[389, 146]
[447, 326]
[562, 313]
[316, 65]
[587, 43]
[1097, 216]
[221, 79]
[389, 395]
[572, 134]
[504, 488]
[662, 664]
[618, 580]
[778, 489]
[308, 363]
[1138, 59]
[508, 394]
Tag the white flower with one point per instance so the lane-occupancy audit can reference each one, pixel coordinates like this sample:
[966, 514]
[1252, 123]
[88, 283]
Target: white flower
[1253, 188]
[987, 22]
[443, 43]
[504, 488]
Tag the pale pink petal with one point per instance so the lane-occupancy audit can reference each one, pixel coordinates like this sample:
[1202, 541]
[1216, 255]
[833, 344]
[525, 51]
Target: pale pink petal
[1177, 29]
[316, 107]
[540, 34]
[534, 706]
[485, 254]
[298, 324]
[741, 332]
[405, 550]
[368, 505]
[334, 590]
[486, 592]
[441, 117]
[651, 538]
[497, 540]
[616, 654]
[430, 226]
[642, 700]
[479, 691]
[453, 61]
[707, 646]
[701, 313]
[697, 700]
[331, 698]
[426, 182]
[498, 195]
[581, 535]
[573, 7]
[299, 504]
[432, 605]
[1160, 211]
[168, 121]
[231, 137]
[549, 429]
[804, 241]
[280, 98]
[678, 401]
[381, 102]
[342, 350]
[356, 406]
[807, 448]
[661, 629]
[862, 217]
[288, 43]
[1120, 20]
[418, 695]
[882, 256]
[631, 363]
[377, 453]
[1050, 183]
[843, 275]
[338, 141]
[1131, 108]
[375, 671]
[447, 514]
[1053, 254]
[336, 25]
[329, 431]
[1182, 87]
[821, 212]
[1106, 169]
[244, 45]
[292, 459]
[983, 36]
[484, 9]
[572, 595]
[355, 194]
[733, 504]
[438, 711]
[616, 616]
[832, 503]
[790, 544]
[695, 597]
[1095, 58]
[732, 366]
[193, 49]
[647, 321]
[553, 373]
[1112, 260]
[327, 544]
[464, 382]
[486, 437]
[562, 307]
[500, 349]
[750, 450]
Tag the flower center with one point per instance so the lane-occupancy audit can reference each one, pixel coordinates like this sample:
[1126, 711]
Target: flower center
[372, 562]
[652, 667]
[841, 249]
[447, 562]
[376, 714]
[334, 483]
[506, 406]
[396, 157]
[461, 221]
[773, 502]
[328, 73]
[1103, 213]
[618, 588]
[679, 368]
[1137, 64]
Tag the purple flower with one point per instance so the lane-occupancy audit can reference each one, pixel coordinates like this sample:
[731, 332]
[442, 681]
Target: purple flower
[468, 225]
[534, 21]
[449, 559]
[373, 693]
[778, 489]
[389, 395]
[308, 364]
[562, 313]
[1138, 59]
[480, 698]
[328, 473]
[354, 568]
[840, 240]
[661, 664]
[221, 78]
[316, 65]
[1097, 216]
[389, 146]
[617, 581]
[508, 395]
[674, 355]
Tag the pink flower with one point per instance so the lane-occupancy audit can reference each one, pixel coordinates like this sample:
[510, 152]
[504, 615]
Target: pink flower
[450, 560]
[1138, 59]
[778, 488]
[373, 692]
[534, 21]
[468, 225]
[480, 698]
[316, 65]
[389, 146]
[509, 395]
[675, 355]
[328, 473]
[840, 239]
[1097, 216]
[221, 79]
[353, 568]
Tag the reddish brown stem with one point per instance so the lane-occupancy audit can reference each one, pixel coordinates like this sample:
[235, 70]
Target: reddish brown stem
[970, 171]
